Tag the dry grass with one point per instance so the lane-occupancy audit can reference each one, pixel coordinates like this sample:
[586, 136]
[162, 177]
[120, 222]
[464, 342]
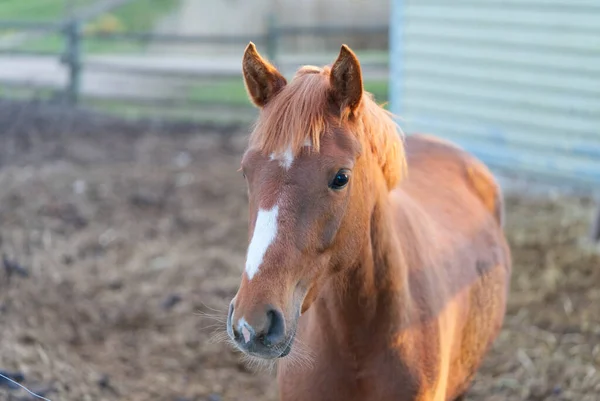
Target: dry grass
[131, 239]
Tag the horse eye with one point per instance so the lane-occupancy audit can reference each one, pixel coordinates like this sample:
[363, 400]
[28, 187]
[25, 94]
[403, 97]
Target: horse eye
[340, 180]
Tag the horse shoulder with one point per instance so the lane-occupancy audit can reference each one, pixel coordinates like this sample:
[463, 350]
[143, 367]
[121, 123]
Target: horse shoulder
[441, 157]
[485, 187]
[464, 292]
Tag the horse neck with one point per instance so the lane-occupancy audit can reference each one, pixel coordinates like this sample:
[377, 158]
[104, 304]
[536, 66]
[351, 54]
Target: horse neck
[374, 294]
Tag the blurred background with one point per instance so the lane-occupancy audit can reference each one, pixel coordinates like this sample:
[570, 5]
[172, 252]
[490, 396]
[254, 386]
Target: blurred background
[123, 223]
[176, 58]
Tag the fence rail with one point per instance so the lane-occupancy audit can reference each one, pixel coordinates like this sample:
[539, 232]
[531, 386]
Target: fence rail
[174, 38]
[75, 61]
[330, 30]
[60, 59]
[30, 25]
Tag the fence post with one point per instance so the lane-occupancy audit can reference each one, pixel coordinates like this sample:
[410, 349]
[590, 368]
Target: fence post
[73, 60]
[272, 37]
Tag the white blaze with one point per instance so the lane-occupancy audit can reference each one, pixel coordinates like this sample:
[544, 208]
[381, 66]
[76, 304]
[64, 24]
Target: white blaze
[265, 232]
[285, 159]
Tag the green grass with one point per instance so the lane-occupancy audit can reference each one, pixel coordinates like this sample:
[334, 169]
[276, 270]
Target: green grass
[25, 93]
[221, 101]
[138, 16]
[232, 92]
[36, 10]
[141, 15]
[192, 112]
[373, 56]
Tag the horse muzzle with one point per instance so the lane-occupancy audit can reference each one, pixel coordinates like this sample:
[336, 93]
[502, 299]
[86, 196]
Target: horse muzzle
[263, 337]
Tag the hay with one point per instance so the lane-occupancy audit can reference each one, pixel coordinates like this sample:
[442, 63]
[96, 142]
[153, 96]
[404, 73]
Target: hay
[125, 239]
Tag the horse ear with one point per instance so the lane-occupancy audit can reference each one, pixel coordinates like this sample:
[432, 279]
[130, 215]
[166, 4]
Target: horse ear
[346, 81]
[261, 78]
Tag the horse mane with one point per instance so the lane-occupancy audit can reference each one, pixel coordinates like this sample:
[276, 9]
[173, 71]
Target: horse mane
[302, 113]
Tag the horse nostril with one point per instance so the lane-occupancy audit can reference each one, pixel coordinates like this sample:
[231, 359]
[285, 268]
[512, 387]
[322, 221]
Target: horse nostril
[275, 328]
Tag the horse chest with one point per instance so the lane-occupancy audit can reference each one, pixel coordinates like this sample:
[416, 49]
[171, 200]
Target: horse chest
[336, 377]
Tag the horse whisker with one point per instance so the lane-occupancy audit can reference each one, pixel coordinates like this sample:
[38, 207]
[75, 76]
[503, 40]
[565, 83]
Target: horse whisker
[219, 327]
[221, 311]
[219, 336]
[221, 318]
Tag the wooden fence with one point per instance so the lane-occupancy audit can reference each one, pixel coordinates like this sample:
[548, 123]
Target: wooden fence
[76, 63]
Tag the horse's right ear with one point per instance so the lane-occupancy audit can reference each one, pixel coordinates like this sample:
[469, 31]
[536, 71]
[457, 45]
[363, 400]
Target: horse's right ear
[261, 78]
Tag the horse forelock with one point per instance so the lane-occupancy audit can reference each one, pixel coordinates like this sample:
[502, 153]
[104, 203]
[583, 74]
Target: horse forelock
[295, 117]
[303, 112]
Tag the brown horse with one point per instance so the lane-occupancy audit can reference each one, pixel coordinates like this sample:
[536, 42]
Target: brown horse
[387, 266]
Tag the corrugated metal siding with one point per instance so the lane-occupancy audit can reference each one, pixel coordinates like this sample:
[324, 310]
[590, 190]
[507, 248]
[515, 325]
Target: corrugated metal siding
[517, 82]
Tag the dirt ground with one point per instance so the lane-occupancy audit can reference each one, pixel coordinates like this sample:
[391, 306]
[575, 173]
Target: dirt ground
[127, 236]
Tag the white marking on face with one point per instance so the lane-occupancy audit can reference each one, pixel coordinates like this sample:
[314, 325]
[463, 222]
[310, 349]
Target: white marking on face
[285, 160]
[288, 159]
[265, 232]
[246, 334]
[243, 327]
[308, 143]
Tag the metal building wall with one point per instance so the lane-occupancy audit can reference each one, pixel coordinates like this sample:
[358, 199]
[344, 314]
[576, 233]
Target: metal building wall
[517, 82]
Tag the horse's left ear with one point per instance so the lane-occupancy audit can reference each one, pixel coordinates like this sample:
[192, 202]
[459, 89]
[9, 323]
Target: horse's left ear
[346, 81]
[262, 79]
